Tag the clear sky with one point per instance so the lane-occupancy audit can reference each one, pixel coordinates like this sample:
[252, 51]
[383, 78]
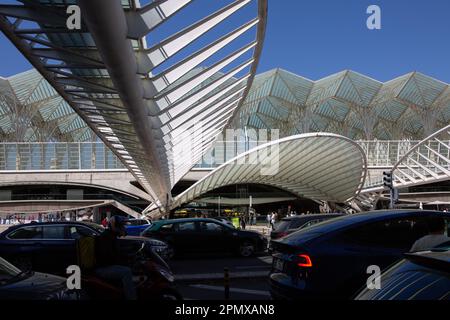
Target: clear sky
[318, 37]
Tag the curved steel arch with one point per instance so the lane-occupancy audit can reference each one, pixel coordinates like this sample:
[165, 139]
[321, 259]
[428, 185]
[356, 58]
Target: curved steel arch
[105, 71]
[319, 166]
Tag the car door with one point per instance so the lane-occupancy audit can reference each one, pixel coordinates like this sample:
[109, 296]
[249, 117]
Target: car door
[186, 237]
[214, 237]
[73, 233]
[57, 249]
[22, 247]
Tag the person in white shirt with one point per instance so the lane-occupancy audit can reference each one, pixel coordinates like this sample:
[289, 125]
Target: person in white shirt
[436, 236]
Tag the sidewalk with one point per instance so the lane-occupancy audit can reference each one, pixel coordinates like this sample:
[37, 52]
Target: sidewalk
[263, 229]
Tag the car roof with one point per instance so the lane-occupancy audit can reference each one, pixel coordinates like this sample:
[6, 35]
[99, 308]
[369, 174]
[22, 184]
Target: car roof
[52, 223]
[159, 223]
[169, 221]
[369, 216]
[312, 216]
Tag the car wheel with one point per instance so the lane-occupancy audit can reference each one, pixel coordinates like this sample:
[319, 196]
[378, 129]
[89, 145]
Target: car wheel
[246, 249]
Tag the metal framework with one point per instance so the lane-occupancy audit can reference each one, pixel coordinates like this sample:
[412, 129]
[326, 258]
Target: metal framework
[317, 166]
[427, 162]
[32, 111]
[157, 106]
[412, 106]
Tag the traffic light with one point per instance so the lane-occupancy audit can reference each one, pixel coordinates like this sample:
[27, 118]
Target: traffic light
[387, 179]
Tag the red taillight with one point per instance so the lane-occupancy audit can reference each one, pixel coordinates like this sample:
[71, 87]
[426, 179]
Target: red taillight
[304, 261]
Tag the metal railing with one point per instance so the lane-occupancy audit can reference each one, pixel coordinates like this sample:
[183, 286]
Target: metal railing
[57, 156]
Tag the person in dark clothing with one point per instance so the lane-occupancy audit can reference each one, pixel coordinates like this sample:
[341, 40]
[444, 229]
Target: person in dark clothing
[108, 257]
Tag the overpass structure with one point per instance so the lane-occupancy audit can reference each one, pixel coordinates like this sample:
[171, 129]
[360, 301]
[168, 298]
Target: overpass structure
[427, 161]
[149, 101]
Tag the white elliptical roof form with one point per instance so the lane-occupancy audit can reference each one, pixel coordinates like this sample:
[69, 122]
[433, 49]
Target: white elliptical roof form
[318, 166]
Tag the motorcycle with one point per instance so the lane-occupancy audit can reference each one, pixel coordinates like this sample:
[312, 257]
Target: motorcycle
[152, 276]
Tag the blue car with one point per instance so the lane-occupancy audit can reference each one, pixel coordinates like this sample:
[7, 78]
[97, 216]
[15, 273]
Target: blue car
[331, 259]
[51, 246]
[135, 227]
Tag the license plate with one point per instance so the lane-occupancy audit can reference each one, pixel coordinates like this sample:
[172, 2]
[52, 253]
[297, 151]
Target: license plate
[278, 264]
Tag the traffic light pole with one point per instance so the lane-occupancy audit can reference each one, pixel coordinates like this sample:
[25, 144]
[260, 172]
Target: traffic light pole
[388, 182]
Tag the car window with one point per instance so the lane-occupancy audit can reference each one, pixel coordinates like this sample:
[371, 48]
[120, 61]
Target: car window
[210, 227]
[312, 222]
[76, 232]
[166, 228]
[26, 233]
[53, 232]
[296, 223]
[186, 226]
[283, 225]
[137, 222]
[392, 233]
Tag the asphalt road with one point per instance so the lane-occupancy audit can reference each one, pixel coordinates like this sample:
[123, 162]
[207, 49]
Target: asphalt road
[202, 278]
[213, 267]
[240, 289]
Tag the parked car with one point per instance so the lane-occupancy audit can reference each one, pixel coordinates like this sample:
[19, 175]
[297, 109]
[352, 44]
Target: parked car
[420, 276]
[224, 220]
[16, 284]
[50, 246]
[202, 235]
[135, 227]
[330, 259]
[291, 224]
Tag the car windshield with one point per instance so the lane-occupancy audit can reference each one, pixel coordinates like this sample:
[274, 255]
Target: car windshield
[7, 271]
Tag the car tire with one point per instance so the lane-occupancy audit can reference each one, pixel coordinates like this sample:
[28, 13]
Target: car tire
[246, 249]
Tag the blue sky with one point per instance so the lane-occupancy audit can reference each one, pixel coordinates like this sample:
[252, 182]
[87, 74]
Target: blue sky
[318, 37]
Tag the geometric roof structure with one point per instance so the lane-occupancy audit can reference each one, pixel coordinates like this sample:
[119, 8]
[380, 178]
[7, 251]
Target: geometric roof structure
[348, 103]
[32, 111]
[318, 166]
[156, 90]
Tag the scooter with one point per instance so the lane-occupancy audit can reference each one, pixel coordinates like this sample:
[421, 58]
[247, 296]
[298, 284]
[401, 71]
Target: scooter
[153, 279]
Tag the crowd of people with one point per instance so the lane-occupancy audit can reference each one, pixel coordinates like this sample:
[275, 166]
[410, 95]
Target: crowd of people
[46, 217]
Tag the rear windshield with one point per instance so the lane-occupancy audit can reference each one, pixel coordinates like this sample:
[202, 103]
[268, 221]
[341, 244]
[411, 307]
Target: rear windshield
[283, 225]
[411, 285]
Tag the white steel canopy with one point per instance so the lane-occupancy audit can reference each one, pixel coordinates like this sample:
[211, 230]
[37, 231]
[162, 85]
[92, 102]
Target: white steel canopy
[318, 166]
[157, 106]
